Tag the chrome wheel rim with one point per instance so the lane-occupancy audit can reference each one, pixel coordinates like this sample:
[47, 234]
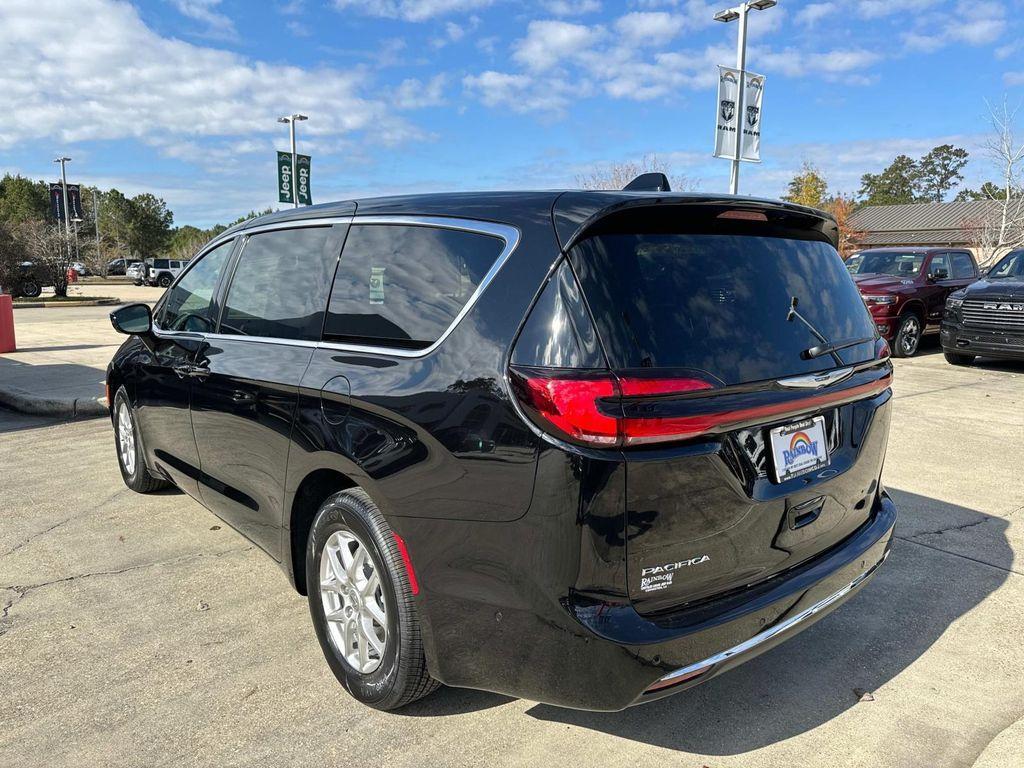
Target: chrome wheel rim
[126, 438]
[911, 336]
[353, 601]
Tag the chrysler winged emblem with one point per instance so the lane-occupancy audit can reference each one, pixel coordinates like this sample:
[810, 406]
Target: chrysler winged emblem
[728, 110]
[753, 113]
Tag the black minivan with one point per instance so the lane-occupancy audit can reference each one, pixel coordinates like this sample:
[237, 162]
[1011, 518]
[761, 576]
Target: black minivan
[584, 448]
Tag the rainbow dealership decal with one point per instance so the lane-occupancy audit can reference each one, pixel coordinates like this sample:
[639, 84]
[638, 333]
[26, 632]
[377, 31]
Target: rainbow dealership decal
[659, 577]
[799, 448]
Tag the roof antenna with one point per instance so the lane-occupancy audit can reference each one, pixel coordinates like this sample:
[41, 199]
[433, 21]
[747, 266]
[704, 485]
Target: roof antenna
[649, 182]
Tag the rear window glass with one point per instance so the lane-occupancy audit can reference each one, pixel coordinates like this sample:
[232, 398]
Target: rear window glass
[718, 303]
[404, 285]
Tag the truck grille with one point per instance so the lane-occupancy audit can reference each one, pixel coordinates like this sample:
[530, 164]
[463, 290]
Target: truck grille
[994, 314]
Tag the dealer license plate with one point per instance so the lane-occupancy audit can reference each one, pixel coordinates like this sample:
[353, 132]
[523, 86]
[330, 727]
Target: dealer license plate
[799, 448]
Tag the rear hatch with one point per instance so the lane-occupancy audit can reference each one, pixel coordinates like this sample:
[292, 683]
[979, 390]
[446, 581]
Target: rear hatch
[700, 355]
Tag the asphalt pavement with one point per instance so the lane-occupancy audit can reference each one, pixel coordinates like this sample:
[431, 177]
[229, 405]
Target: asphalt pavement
[140, 630]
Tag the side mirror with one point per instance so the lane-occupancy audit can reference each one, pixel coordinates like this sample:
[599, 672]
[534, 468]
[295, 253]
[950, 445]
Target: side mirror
[939, 274]
[131, 319]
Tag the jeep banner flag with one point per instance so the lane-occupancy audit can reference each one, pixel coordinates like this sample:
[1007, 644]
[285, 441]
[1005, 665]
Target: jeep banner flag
[728, 120]
[57, 201]
[286, 184]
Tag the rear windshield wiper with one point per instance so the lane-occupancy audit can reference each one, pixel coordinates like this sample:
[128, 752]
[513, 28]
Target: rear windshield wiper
[825, 348]
[828, 349]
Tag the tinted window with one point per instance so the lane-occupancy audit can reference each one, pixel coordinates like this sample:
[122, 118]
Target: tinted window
[404, 285]
[895, 263]
[1011, 266]
[939, 263]
[963, 267]
[160, 263]
[188, 306]
[718, 303]
[280, 285]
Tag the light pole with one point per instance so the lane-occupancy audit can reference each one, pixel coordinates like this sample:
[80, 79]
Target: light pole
[64, 191]
[291, 120]
[732, 14]
[96, 226]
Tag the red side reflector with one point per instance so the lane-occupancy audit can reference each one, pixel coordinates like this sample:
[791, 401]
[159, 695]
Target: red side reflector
[743, 215]
[414, 585]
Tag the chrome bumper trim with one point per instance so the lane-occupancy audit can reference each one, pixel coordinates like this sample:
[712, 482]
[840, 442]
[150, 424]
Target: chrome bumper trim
[759, 639]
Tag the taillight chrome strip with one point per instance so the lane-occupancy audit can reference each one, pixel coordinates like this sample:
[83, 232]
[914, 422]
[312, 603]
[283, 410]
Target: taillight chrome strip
[701, 668]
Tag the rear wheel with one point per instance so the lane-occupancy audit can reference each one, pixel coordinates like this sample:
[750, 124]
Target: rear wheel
[31, 289]
[129, 448]
[164, 281]
[362, 606]
[908, 336]
[955, 358]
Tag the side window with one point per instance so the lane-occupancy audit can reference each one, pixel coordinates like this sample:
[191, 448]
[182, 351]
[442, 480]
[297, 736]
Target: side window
[279, 288]
[160, 264]
[963, 267]
[404, 285]
[940, 261]
[189, 304]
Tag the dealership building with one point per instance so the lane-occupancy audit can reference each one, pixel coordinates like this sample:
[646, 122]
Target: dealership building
[927, 225]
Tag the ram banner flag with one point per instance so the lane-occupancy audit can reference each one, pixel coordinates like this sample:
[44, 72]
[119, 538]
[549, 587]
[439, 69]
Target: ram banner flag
[729, 122]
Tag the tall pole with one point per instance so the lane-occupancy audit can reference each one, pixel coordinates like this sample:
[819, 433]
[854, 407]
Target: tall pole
[64, 190]
[96, 226]
[741, 65]
[295, 165]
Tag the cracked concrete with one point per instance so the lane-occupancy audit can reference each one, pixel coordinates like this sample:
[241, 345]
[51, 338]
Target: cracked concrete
[144, 637]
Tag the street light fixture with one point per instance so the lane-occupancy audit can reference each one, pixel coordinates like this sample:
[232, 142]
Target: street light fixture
[732, 14]
[64, 189]
[291, 120]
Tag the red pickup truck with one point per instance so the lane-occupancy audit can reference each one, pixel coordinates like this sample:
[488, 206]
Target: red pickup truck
[906, 289]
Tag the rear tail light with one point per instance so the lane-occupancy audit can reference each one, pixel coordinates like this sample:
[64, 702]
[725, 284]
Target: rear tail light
[882, 351]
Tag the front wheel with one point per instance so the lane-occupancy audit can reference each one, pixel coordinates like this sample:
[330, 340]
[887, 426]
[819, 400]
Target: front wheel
[129, 448]
[955, 358]
[30, 289]
[165, 281]
[908, 336]
[362, 605]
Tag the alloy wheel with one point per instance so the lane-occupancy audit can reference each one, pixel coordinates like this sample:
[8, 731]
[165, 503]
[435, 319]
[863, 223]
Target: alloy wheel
[910, 336]
[353, 601]
[126, 438]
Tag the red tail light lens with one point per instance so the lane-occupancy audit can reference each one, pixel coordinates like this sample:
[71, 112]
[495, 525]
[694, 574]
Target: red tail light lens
[882, 351]
[572, 406]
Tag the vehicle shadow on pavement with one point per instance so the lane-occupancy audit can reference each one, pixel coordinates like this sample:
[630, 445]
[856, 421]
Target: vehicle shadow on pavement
[865, 643]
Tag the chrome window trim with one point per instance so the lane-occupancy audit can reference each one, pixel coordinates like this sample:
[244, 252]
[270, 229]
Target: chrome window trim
[508, 234]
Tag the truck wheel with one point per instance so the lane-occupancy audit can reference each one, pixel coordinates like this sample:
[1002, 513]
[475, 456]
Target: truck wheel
[908, 336]
[164, 281]
[955, 358]
[31, 289]
[362, 605]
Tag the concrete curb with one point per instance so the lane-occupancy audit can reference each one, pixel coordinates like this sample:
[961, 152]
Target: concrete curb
[55, 304]
[61, 407]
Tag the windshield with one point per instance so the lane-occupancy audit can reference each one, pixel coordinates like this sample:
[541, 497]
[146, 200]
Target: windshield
[719, 303]
[896, 263]
[1011, 266]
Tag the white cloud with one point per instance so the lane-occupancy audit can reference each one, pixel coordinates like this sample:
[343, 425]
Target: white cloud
[548, 42]
[217, 24]
[874, 9]
[522, 93]
[415, 94]
[571, 7]
[812, 13]
[298, 29]
[129, 82]
[410, 10]
[970, 23]
[653, 27]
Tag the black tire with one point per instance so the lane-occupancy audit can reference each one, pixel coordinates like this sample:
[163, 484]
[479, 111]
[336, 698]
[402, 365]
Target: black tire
[137, 477]
[401, 676]
[907, 340]
[164, 281]
[30, 289]
[955, 358]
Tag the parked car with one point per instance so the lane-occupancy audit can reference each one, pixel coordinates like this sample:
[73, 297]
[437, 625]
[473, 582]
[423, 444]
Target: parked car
[162, 271]
[80, 268]
[585, 448]
[987, 317]
[28, 281]
[119, 266]
[136, 272]
[906, 290]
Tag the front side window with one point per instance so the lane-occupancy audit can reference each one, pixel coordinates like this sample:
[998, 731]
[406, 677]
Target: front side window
[940, 263]
[404, 285]
[279, 288]
[896, 263]
[189, 304]
[963, 267]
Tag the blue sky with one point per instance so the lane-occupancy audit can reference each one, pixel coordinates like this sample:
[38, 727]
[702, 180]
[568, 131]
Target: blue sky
[179, 97]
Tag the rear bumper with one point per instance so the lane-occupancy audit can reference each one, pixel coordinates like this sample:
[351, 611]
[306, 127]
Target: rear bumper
[1006, 345]
[667, 655]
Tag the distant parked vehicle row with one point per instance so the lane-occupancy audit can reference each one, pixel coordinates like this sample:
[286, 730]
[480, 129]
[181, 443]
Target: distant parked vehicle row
[159, 272]
[117, 267]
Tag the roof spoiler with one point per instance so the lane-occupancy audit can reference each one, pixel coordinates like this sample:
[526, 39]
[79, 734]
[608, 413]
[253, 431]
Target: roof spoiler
[648, 182]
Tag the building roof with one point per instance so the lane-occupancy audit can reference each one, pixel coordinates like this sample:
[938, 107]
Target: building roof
[921, 223]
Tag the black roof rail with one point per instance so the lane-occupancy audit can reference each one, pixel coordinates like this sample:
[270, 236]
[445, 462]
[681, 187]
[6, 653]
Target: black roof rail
[648, 182]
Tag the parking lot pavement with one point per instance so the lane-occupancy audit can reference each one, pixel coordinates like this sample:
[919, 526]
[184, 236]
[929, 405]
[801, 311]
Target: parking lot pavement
[139, 630]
